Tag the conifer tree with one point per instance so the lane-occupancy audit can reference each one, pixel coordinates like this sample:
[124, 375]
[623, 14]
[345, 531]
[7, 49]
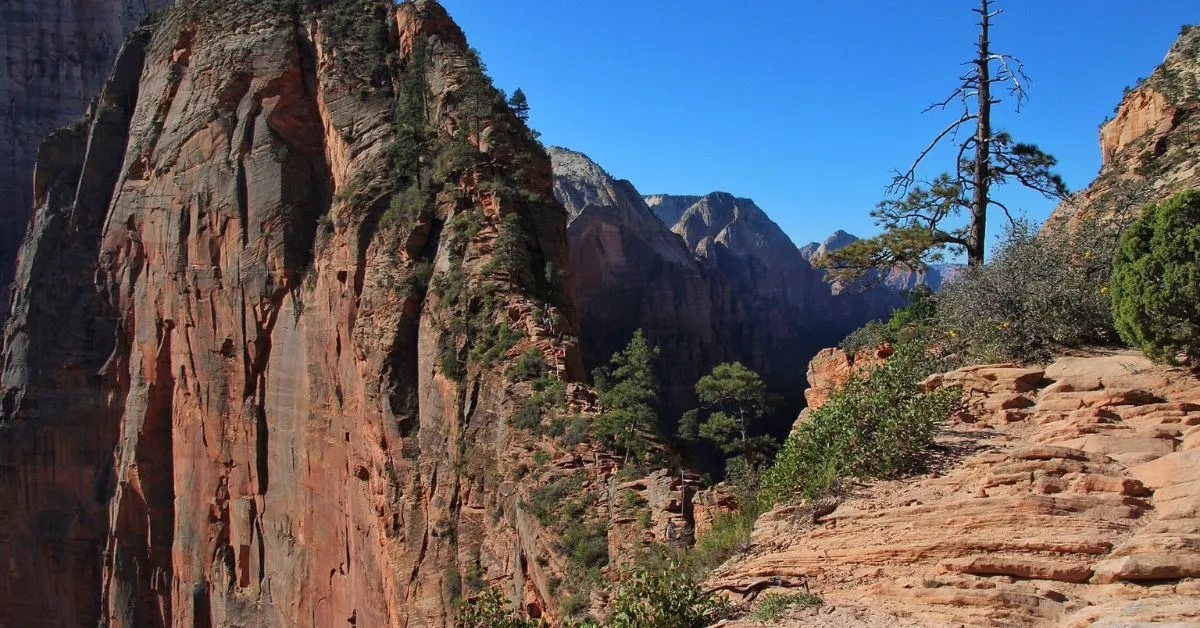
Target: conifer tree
[915, 222]
[628, 395]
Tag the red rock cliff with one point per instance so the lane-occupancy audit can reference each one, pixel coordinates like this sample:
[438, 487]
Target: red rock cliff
[238, 383]
[1149, 145]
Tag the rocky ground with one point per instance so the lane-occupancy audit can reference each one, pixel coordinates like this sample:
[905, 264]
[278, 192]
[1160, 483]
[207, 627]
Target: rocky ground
[1066, 495]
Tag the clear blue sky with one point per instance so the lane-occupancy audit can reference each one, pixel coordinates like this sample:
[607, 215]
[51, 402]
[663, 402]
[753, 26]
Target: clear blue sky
[805, 106]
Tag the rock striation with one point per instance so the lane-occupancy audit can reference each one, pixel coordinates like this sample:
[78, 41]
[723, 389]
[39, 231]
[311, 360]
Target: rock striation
[57, 54]
[243, 381]
[1064, 496]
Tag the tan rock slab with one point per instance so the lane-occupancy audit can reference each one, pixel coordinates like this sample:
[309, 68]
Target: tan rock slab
[989, 565]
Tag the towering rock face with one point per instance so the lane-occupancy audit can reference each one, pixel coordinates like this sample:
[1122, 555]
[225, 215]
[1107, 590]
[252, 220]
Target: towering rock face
[1149, 147]
[629, 272]
[782, 310]
[238, 382]
[56, 55]
[726, 296]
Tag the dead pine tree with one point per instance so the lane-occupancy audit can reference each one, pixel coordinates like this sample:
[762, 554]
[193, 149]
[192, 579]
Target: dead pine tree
[918, 220]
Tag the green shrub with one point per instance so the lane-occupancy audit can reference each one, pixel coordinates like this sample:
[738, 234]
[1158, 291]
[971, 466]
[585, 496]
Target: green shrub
[494, 343]
[905, 323]
[545, 500]
[773, 606]
[530, 365]
[528, 417]
[1036, 294]
[490, 610]
[578, 430]
[879, 425]
[541, 458]
[510, 252]
[452, 366]
[585, 544]
[729, 535]
[1156, 280]
[663, 597]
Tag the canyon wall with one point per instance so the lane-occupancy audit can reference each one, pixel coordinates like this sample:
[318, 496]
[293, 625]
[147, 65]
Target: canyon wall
[239, 385]
[57, 54]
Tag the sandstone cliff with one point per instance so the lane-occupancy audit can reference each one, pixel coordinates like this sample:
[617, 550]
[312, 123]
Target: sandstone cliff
[255, 370]
[1149, 146]
[1065, 496]
[56, 54]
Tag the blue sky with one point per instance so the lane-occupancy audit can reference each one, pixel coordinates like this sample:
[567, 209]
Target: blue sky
[806, 106]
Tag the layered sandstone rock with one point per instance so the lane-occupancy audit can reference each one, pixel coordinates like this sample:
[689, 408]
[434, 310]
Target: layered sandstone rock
[1065, 496]
[831, 368]
[56, 54]
[239, 381]
[1149, 145]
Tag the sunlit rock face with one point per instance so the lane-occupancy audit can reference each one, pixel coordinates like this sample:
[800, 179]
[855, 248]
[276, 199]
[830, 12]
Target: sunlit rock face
[226, 392]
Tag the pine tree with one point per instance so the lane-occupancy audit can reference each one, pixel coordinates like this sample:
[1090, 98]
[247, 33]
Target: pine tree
[915, 223]
[628, 397]
[519, 105]
[735, 398]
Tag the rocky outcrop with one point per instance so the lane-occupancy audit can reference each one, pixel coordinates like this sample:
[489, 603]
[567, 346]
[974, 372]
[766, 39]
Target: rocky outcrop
[1064, 495]
[56, 57]
[831, 368]
[1149, 145]
[255, 370]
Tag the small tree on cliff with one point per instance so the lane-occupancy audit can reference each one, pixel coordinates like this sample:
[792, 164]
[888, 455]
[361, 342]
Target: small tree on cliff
[628, 394]
[519, 105]
[734, 399]
[915, 222]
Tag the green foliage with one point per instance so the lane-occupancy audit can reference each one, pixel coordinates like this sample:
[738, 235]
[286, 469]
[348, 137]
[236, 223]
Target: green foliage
[578, 430]
[879, 425]
[494, 343]
[510, 251]
[629, 394]
[528, 417]
[664, 598]
[404, 207]
[729, 535]
[773, 606]
[1156, 280]
[1037, 294]
[448, 359]
[541, 458]
[904, 324]
[585, 544]
[490, 610]
[530, 365]
[734, 398]
[544, 501]
[519, 105]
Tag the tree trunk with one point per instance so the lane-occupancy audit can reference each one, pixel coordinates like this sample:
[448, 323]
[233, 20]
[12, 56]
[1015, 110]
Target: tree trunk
[983, 138]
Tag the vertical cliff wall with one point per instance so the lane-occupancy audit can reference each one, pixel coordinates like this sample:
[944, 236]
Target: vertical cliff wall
[239, 383]
[56, 55]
